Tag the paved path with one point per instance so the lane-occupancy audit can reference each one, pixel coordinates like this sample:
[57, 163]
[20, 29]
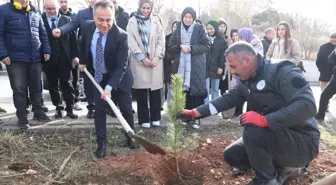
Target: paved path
[10, 120]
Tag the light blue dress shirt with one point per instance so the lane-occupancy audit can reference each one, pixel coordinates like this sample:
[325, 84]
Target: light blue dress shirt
[93, 50]
[50, 22]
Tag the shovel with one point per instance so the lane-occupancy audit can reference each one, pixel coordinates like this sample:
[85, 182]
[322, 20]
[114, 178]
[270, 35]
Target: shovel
[229, 113]
[149, 146]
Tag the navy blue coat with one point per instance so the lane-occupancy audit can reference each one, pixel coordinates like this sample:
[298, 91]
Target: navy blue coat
[22, 35]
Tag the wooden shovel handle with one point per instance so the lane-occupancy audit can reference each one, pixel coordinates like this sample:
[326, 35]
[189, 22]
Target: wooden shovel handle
[112, 105]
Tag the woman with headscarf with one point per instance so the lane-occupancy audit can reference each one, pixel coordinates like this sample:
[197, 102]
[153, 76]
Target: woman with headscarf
[284, 46]
[189, 45]
[147, 46]
[246, 34]
[215, 59]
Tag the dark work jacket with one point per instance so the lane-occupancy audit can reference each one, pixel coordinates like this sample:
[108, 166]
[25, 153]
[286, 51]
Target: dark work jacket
[115, 56]
[280, 92]
[22, 35]
[199, 48]
[216, 57]
[322, 63]
[167, 62]
[68, 43]
[68, 13]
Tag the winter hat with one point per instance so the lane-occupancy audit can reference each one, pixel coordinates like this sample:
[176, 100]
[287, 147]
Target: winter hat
[215, 25]
[141, 2]
[246, 33]
[189, 10]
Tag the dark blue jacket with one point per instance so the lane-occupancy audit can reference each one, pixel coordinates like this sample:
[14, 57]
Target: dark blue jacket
[78, 22]
[22, 35]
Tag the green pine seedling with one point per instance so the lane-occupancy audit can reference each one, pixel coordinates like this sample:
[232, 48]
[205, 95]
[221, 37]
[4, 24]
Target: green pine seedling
[174, 128]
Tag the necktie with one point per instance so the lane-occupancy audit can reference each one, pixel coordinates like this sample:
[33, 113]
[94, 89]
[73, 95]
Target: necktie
[53, 25]
[99, 65]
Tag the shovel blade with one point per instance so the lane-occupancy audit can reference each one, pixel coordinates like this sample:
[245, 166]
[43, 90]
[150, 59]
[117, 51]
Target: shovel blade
[149, 146]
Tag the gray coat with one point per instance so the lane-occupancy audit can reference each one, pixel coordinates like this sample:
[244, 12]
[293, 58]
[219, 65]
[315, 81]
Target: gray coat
[200, 45]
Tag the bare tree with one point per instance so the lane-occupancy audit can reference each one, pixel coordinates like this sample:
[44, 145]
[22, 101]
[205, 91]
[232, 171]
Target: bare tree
[158, 5]
[80, 4]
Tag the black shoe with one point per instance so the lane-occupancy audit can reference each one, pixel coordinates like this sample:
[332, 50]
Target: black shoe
[101, 151]
[270, 182]
[130, 143]
[44, 108]
[72, 115]
[41, 116]
[319, 118]
[58, 114]
[2, 110]
[23, 124]
[90, 114]
[111, 113]
[238, 172]
[285, 174]
[133, 111]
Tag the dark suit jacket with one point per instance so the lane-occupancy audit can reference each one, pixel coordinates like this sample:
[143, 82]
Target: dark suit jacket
[69, 41]
[116, 56]
[78, 22]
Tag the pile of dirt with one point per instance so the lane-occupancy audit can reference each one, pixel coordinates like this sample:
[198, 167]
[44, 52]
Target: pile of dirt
[205, 166]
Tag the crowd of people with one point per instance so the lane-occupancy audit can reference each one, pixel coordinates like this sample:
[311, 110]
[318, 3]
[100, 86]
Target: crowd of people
[130, 54]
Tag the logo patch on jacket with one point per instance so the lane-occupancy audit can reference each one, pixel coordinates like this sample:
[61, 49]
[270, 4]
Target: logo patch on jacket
[261, 84]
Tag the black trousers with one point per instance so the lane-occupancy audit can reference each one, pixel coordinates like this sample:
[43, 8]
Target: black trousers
[265, 150]
[60, 77]
[153, 112]
[326, 95]
[22, 75]
[124, 100]
[75, 77]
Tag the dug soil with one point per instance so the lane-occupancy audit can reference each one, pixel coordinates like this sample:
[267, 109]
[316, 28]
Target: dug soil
[202, 166]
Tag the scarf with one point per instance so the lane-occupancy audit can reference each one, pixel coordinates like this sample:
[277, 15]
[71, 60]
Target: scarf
[185, 59]
[143, 31]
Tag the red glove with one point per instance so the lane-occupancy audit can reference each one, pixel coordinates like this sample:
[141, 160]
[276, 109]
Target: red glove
[254, 118]
[185, 114]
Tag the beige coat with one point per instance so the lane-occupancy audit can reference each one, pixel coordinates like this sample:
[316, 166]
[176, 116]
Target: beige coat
[277, 52]
[147, 78]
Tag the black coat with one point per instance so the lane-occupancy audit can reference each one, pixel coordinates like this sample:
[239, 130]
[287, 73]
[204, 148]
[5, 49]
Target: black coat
[332, 60]
[68, 42]
[122, 18]
[216, 57]
[167, 61]
[200, 45]
[266, 44]
[115, 55]
[322, 63]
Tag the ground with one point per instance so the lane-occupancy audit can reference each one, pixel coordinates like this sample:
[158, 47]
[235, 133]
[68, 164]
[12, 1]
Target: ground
[200, 163]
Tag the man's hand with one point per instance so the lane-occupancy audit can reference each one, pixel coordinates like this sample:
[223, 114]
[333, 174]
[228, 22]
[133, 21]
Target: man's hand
[6, 61]
[56, 33]
[219, 71]
[253, 118]
[75, 62]
[186, 115]
[81, 67]
[106, 94]
[46, 57]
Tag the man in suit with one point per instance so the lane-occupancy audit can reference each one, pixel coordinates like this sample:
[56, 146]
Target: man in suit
[104, 52]
[78, 22]
[64, 52]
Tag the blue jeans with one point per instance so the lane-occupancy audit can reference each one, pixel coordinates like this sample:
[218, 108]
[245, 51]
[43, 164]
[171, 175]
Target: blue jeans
[214, 89]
